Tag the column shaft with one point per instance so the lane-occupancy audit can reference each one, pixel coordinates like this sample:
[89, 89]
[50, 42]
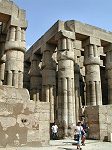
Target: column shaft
[70, 102]
[60, 102]
[109, 71]
[73, 100]
[51, 97]
[93, 93]
[65, 106]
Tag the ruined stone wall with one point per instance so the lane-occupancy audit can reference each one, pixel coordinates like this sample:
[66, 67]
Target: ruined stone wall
[22, 122]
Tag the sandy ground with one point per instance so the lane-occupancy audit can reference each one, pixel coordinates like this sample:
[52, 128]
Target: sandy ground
[68, 144]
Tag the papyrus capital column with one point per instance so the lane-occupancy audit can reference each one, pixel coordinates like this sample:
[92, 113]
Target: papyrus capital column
[35, 77]
[49, 77]
[65, 57]
[15, 47]
[77, 74]
[108, 51]
[92, 68]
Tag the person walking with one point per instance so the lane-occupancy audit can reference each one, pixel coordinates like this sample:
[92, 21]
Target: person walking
[78, 132]
[85, 127]
[54, 129]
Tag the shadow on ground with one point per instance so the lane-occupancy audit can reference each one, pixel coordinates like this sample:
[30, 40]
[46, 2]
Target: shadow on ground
[68, 148]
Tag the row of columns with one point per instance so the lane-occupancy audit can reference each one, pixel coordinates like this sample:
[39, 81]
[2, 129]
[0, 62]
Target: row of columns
[68, 99]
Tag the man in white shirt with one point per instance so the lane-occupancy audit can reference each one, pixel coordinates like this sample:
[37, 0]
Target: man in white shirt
[54, 129]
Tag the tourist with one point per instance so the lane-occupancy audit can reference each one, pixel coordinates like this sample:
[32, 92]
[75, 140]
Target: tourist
[78, 132]
[54, 129]
[85, 127]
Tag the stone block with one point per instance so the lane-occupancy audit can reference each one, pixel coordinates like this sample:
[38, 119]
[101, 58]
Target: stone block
[44, 116]
[92, 110]
[92, 40]
[77, 45]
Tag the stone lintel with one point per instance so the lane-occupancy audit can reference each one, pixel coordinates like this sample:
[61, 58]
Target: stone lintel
[67, 34]
[91, 41]
[78, 45]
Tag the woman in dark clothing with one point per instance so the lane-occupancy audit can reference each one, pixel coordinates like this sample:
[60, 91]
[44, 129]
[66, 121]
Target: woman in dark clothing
[85, 127]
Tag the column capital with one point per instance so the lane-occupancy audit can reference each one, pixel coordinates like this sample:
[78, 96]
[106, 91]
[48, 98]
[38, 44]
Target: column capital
[91, 41]
[92, 61]
[15, 45]
[15, 39]
[66, 55]
[65, 34]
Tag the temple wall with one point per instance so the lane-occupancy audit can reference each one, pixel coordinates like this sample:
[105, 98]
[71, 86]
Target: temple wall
[22, 122]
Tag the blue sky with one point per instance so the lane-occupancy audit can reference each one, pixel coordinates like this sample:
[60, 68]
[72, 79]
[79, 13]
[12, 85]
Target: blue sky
[42, 14]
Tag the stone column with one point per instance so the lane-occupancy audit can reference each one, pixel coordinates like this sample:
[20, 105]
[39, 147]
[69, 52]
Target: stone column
[108, 51]
[78, 103]
[77, 88]
[14, 50]
[92, 71]
[35, 77]
[65, 57]
[49, 77]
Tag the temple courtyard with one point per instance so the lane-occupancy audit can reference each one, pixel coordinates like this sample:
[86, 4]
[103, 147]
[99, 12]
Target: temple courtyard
[68, 144]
